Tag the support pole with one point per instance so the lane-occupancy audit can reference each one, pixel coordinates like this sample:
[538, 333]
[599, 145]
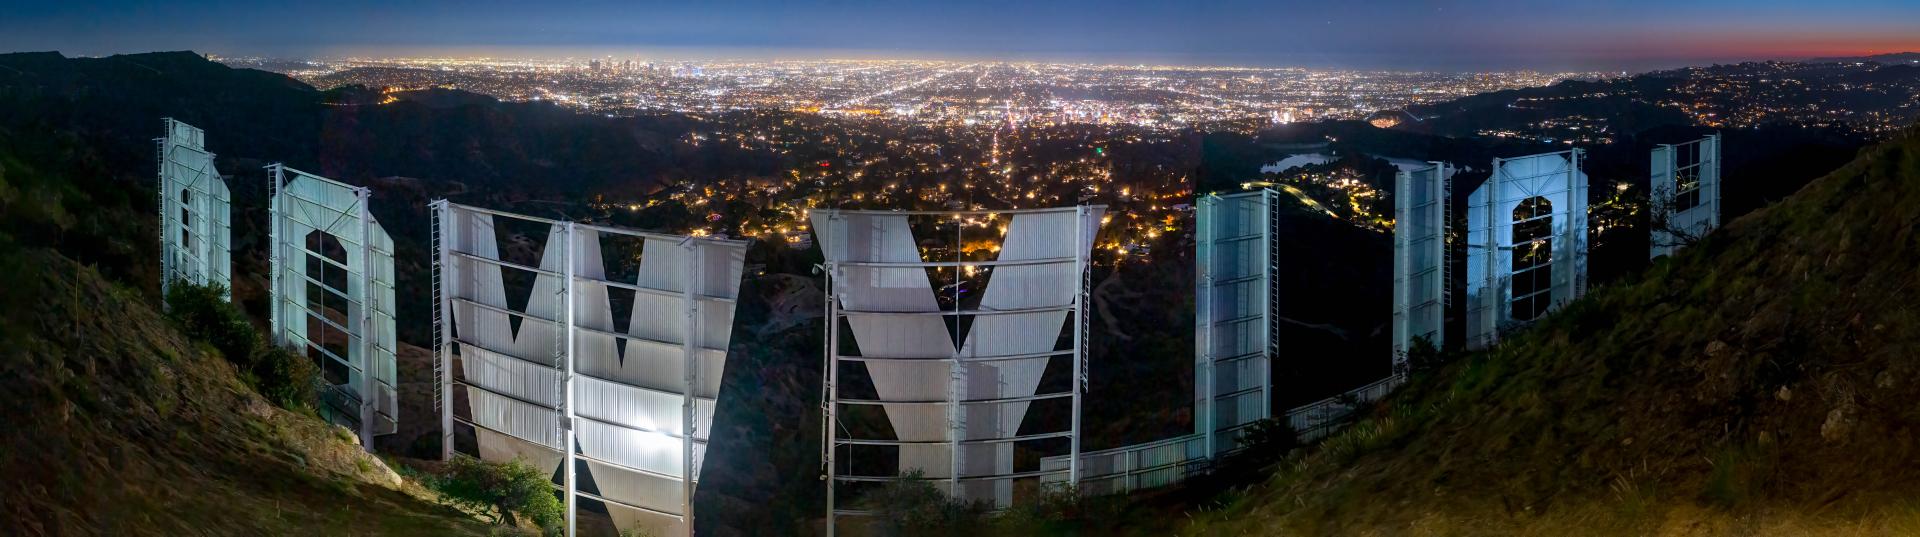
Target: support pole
[1718, 170]
[442, 213]
[832, 376]
[690, 343]
[276, 253]
[1577, 192]
[956, 371]
[1496, 293]
[1269, 300]
[1080, 255]
[369, 390]
[1203, 416]
[200, 214]
[566, 431]
[166, 222]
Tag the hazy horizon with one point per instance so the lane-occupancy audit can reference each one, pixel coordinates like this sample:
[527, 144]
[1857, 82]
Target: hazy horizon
[741, 54]
[1429, 35]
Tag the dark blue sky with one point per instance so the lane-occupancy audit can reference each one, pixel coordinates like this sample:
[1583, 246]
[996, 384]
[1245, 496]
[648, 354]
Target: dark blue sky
[1433, 34]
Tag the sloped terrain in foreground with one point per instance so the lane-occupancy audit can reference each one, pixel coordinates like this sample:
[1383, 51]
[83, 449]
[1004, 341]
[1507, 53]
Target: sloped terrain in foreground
[112, 423]
[1765, 382]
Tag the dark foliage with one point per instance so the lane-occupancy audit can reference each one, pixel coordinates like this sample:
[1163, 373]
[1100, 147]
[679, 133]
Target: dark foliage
[1423, 357]
[1264, 443]
[285, 377]
[204, 314]
[503, 490]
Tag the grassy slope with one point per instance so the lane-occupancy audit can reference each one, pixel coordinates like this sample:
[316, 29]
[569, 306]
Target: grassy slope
[1767, 381]
[115, 424]
[111, 422]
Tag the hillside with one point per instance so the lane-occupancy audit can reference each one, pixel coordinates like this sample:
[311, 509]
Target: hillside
[114, 423]
[1888, 58]
[1764, 382]
[118, 425]
[254, 117]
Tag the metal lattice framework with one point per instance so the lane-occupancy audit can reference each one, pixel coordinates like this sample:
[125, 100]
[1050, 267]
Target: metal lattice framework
[953, 381]
[1233, 349]
[1234, 315]
[1420, 258]
[635, 399]
[333, 297]
[1526, 242]
[1686, 192]
[195, 211]
[1235, 332]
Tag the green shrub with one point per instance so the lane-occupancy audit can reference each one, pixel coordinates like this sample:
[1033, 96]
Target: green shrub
[204, 314]
[1423, 356]
[502, 490]
[286, 378]
[1055, 510]
[1263, 443]
[282, 376]
[913, 506]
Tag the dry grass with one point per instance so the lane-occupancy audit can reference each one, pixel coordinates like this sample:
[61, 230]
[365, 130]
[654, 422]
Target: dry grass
[117, 425]
[1762, 383]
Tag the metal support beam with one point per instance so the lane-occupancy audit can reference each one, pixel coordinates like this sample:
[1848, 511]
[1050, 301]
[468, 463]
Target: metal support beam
[956, 371]
[166, 219]
[1080, 267]
[1269, 299]
[442, 317]
[566, 379]
[369, 389]
[276, 181]
[1203, 402]
[690, 346]
[831, 390]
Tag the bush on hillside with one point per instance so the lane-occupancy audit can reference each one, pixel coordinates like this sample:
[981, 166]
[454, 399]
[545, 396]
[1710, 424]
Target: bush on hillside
[286, 378]
[913, 506]
[282, 376]
[1423, 356]
[1263, 443]
[1056, 510]
[502, 490]
[204, 314]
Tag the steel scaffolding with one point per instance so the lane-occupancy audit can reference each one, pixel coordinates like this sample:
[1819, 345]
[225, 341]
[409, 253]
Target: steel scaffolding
[348, 329]
[954, 381]
[634, 405]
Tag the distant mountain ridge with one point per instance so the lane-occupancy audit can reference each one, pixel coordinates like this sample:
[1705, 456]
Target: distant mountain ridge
[257, 117]
[1888, 58]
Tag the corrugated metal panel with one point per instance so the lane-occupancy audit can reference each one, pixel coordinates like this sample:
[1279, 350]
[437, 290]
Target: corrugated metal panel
[195, 211]
[1419, 260]
[1234, 313]
[631, 387]
[1690, 206]
[1555, 177]
[314, 313]
[949, 408]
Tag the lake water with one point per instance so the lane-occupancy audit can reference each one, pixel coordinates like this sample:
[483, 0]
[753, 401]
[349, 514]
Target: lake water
[1285, 164]
[1309, 159]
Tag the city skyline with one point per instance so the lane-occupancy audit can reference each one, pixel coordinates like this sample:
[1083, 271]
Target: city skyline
[1621, 35]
